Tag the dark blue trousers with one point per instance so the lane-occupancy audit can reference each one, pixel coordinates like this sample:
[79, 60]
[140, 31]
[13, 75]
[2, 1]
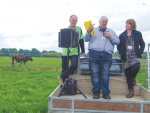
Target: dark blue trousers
[100, 63]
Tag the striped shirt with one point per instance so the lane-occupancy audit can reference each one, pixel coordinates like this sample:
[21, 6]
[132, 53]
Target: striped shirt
[99, 42]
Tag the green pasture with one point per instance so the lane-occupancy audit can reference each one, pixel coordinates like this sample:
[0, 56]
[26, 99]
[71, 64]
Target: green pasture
[24, 90]
[40, 62]
[143, 62]
[140, 77]
[37, 62]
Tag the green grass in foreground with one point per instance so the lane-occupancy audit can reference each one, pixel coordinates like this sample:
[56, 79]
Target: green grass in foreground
[26, 91]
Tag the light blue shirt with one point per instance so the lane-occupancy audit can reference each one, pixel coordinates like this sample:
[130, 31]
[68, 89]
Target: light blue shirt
[99, 42]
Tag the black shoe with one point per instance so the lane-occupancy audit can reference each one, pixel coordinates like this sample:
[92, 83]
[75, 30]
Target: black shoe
[96, 95]
[106, 96]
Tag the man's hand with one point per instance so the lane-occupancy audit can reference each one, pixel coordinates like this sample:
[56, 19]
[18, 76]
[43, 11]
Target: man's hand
[85, 54]
[107, 34]
[91, 27]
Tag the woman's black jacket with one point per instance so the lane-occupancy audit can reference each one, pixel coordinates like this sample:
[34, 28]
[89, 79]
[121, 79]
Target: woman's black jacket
[139, 44]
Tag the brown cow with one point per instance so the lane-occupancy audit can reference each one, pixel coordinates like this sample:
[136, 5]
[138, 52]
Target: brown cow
[20, 58]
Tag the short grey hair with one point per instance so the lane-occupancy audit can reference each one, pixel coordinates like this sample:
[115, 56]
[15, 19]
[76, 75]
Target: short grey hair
[73, 15]
[103, 17]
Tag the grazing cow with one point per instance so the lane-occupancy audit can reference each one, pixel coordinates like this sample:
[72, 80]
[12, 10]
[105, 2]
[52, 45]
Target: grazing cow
[20, 58]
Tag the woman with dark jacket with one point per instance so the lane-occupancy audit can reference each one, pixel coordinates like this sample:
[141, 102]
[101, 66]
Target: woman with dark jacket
[131, 48]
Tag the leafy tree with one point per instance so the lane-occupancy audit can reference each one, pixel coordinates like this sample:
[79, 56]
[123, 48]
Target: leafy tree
[13, 51]
[34, 52]
[21, 51]
[5, 52]
[52, 52]
[44, 51]
[27, 52]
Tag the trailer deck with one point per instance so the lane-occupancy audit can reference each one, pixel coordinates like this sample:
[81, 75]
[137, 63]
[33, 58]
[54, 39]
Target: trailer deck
[140, 103]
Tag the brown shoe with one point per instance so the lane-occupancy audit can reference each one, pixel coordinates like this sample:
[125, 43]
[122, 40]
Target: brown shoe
[131, 93]
[60, 80]
[134, 81]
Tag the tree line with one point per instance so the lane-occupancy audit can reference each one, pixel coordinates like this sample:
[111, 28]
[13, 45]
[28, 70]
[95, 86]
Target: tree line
[144, 55]
[36, 53]
[32, 53]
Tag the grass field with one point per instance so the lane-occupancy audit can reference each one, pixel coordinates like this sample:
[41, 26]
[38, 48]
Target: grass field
[24, 90]
[143, 62]
[37, 62]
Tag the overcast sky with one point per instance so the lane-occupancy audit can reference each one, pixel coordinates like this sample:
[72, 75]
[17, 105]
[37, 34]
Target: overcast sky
[27, 24]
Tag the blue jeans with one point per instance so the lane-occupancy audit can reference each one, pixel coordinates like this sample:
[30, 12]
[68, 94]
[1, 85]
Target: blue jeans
[99, 64]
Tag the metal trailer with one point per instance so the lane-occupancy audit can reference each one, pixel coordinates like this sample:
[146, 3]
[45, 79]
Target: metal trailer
[140, 103]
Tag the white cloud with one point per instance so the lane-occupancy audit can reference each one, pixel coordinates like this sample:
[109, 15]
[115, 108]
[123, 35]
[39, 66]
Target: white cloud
[31, 24]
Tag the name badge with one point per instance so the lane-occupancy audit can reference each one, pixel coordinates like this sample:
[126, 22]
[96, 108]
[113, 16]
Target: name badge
[103, 38]
[129, 47]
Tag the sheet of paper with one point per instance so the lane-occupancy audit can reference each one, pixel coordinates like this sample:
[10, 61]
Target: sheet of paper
[86, 24]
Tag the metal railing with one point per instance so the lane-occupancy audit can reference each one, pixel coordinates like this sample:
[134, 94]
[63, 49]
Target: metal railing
[147, 69]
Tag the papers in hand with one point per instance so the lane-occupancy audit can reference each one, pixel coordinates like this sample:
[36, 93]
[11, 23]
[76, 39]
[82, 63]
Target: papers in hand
[86, 24]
